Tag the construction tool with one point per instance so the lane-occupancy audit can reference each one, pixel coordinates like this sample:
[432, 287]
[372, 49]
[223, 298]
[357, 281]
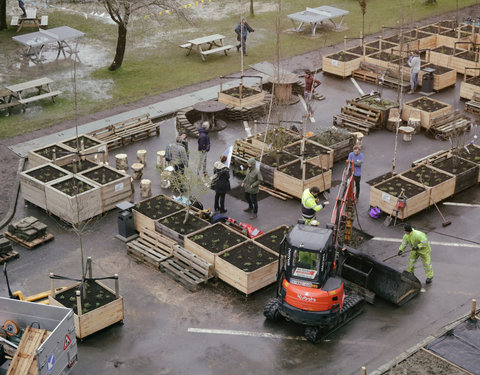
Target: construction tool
[401, 204]
[445, 223]
[396, 255]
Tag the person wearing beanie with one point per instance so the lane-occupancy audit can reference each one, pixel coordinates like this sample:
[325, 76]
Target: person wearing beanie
[221, 183]
[420, 248]
[251, 184]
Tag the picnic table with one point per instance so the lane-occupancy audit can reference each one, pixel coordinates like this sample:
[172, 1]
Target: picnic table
[212, 43]
[35, 42]
[31, 20]
[43, 90]
[316, 16]
[207, 111]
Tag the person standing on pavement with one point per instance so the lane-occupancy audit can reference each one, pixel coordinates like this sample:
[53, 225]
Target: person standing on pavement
[21, 5]
[311, 204]
[177, 155]
[251, 184]
[420, 248]
[221, 184]
[242, 29]
[310, 85]
[203, 147]
[414, 64]
[356, 157]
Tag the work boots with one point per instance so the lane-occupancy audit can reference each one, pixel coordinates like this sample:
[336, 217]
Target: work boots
[429, 280]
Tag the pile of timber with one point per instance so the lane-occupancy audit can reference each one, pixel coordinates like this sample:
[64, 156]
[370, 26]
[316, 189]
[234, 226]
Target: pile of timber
[24, 362]
[250, 112]
[358, 117]
[151, 248]
[5, 245]
[473, 106]
[376, 74]
[29, 232]
[128, 131]
[184, 126]
[449, 125]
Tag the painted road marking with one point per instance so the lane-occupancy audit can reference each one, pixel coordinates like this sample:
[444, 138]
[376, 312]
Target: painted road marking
[245, 333]
[461, 204]
[452, 244]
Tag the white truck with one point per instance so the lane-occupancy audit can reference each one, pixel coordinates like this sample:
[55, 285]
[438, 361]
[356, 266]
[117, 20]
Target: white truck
[58, 353]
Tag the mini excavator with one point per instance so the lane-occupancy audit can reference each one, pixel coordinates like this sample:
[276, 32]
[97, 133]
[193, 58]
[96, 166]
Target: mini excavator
[313, 263]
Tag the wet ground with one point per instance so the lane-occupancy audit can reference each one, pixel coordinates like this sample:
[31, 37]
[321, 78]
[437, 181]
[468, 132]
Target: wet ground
[158, 335]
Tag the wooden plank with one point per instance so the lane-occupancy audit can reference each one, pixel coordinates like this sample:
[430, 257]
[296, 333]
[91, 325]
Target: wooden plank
[51, 94]
[218, 49]
[194, 262]
[8, 256]
[24, 362]
[30, 244]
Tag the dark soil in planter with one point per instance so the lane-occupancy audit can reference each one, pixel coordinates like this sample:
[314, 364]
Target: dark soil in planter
[248, 257]
[342, 56]
[359, 50]
[473, 153]
[451, 24]
[473, 80]
[217, 238]
[158, 207]
[468, 55]
[385, 56]
[310, 150]
[385, 45]
[395, 185]
[46, 173]
[73, 186]
[431, 29]
[278, 136]
[421, 35]
[294, 170]
[438, 69]
[428, 176]
[379, 103]
[454, 34]
[103, 175]
[283, 158]
[444, 49]
[331, 136]
[396, 39]
[453, 165]
[246, 92]
[87, 143]
[97, 296]
[82, 165]
[426, 104]
[273, 239]
[47, 152]
[380, 178]
[175, 223]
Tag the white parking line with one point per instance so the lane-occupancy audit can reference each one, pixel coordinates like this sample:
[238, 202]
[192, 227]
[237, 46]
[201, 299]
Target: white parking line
[245, 333]
[461, 204]
[451, 244]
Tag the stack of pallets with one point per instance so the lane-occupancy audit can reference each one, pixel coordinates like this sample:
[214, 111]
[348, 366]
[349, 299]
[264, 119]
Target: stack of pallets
[358, 117]
[449, 125]
[151, 248]
[473, 106]
[184, 126]
[6, 250]
[24, 362]
[28, 232]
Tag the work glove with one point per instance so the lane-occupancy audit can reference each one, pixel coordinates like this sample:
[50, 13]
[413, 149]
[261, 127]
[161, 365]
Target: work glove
[400, 252]
[326, 203]
[415, 248]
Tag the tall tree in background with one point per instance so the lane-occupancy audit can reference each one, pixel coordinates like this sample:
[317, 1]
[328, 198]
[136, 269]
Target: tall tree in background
[363, 8]
[252, 13]
[122, 11]
[3, 14]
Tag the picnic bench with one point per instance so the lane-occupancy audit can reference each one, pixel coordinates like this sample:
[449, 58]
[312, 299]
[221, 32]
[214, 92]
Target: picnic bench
[213, 43]
[31, 20]
[43, 91]
[128, 131]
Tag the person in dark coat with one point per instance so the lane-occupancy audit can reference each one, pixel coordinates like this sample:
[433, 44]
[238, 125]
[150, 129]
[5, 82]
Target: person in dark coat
[203, 147]
[242, 29]
[221, 183]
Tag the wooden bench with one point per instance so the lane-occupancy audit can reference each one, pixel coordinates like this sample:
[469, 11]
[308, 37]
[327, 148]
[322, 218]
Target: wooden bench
[151, 248]
[187, 268]
[186, 45]
[14, 21]
[218, 49]
[44, 21]
[51, 94]
[8, 105]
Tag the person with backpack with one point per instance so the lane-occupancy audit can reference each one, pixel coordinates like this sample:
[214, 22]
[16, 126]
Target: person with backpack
[221, 184]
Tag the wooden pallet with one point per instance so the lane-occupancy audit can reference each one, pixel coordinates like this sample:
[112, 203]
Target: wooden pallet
[448, 125]
[187, 268]
[8, 256]
[24, 361]
[30, 244]
[245, 150]
[151, 248]
[366, 76]
[473, 106]
[358, 117]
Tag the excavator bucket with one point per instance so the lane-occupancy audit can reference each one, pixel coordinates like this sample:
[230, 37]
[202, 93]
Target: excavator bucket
[386, 282]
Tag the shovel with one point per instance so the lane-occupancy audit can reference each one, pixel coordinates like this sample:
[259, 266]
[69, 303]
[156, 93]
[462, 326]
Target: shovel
[388, 219]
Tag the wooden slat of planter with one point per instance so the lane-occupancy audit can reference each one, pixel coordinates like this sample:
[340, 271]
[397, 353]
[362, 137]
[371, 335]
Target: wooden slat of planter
[170, 233]
[90, 153]
[142, 252]
[142, 221]
[468, 90]
[323, 159]
[425, 117]
[460, 64]
[24, 361]
[340, 68]
[35, 159]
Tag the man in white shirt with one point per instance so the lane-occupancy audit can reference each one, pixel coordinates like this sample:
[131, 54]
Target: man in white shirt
[414, 63]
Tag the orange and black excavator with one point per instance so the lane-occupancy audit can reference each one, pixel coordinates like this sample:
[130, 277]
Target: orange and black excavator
[312, 265]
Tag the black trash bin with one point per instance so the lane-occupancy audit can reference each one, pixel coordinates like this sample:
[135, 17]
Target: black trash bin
[427, 81]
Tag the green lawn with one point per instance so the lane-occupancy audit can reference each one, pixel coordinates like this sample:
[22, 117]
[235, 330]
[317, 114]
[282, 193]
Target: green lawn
[154, 63]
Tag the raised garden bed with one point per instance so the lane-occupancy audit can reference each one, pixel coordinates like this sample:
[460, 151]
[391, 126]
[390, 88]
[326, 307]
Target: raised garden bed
[247, 267]
[313, 152]
[273, 238]
[381, 178]
[473, 155]
[288, 178]
[469, 87]
[277, 136]
[80, 165]
[100, 309]
[341, 63]
[440, 184]
[270, 162]
[115, 186]
[442, 77]
[361, 51]
[465, 59]
[385, 59]
[146, 212]
[173, 227]
[73, 199]
[208, 242]
[450, 37]
[241, 96]
[93, 149]
[442, 55]
[45, 155]
[381, 45]
[428, 107]
[466, 172]
[385, 196]
[339, 140]
[33, 181]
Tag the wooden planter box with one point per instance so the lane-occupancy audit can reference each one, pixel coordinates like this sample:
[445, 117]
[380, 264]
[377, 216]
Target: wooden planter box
[473, 155]
[425, 117]
[438, 58]
[33, 189]
[141, 220]
[257, 140]
[176, 236]
[268, 167]
[241, 102]
[35, 158]
[247, 282]
[459, 63]
[324, 158]
[266, 240]
[207, 254]
[295, 186]
[111, 192]
[468, 89]
[427, 41]
[71, 208]
[341, 148]
[387, 202]
[440, 80]
[97, 319]
[463, 180]
[94, 146]
[332, 64]
[438, 192]
[449, 41]
[391, 64]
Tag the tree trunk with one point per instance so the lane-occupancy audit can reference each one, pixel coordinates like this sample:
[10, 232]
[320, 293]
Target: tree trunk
[252, 13]
[121, 44]
[3, 14]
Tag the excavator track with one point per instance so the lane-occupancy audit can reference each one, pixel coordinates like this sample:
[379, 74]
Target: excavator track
[352, 306]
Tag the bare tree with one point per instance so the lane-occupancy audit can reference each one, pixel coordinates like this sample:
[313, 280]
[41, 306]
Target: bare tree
[3, 14]
[121, 12]
[363, 8]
